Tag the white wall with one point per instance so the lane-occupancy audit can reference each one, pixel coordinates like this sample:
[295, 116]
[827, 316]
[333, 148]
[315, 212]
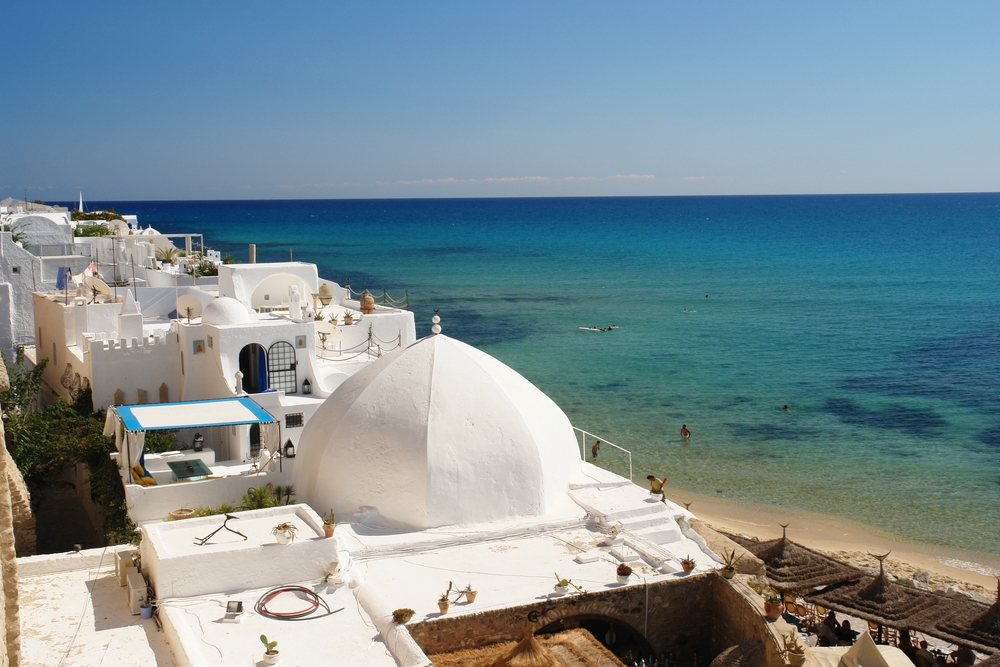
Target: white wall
[155, 503]
[18, 320]
[241, 282]
[133, 364]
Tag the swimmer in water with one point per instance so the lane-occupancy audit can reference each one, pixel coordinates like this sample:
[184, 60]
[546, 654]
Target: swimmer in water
[685, 432]
[786, 408]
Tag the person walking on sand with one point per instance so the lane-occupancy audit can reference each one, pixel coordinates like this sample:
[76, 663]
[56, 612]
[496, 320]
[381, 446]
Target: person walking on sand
[656, 487]
[685, 431]
[596, 449]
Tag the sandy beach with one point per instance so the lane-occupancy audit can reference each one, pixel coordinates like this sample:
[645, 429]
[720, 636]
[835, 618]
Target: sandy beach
[972, 572]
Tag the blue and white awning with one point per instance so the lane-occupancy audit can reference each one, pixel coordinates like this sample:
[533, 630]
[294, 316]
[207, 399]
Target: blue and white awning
[192, 414]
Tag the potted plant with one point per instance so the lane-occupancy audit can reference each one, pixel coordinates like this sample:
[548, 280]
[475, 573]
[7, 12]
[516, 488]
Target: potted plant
[445, 601]
[328, 524]
[470, 595]
[284, 532]
[772, 604]
[270, 653]
[402, 616]
[793, 650]
[688, 564]
[624, 572]
[731, 560]
[348, 318]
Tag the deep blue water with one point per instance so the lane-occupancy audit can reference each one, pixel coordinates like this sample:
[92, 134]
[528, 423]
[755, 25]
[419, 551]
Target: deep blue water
[875, 318]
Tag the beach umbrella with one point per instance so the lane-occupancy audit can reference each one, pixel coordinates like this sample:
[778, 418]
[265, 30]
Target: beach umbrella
[793, 568]
[569, 648]
[965, 621]
[883, 601]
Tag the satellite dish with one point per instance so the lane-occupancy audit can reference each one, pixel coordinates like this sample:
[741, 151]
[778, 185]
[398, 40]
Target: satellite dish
[97, 285]
[189, 306]
[322, 326]
[328, 331]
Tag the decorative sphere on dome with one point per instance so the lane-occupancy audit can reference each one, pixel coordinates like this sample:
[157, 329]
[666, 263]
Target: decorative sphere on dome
[437, 434]
[225, 310]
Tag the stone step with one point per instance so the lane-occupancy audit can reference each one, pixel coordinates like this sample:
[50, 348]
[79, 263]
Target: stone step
[636, 524]
[664, 534]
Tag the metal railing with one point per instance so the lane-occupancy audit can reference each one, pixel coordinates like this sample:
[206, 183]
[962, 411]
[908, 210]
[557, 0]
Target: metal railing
[583, 447]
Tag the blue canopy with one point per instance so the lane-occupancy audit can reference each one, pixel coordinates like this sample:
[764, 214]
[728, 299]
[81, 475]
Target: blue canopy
[193, 414]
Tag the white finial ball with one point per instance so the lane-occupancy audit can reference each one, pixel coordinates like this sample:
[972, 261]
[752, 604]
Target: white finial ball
[435, 319]
[436, 329]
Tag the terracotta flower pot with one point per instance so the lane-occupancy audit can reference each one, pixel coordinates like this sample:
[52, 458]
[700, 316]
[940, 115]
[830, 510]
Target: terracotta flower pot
[443, 606]
[773, 610]
[687, 567]
[728, 572]
[328, 529]
[470, 596]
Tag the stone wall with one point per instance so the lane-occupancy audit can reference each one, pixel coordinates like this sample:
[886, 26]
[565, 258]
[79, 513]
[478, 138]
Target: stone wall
[739, 618]
[10, 620]
[24, 519]
[695, 618]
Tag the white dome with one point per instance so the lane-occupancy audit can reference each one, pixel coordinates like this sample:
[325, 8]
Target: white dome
[225, 310]
[437, 434]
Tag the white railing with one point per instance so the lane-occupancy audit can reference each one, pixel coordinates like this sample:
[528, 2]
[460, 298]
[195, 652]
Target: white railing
[583, 447]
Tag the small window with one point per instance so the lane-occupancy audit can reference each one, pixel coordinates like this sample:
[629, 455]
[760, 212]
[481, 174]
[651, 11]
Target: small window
[210, 342]
[15, 269]
[294, 420]
[267, 297]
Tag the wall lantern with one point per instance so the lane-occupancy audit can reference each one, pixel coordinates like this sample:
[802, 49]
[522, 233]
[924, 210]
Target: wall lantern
[307, 387]
[289, 450]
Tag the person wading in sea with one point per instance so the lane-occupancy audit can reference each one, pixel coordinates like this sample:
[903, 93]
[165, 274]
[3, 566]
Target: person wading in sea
[596, 449]
[685, 431]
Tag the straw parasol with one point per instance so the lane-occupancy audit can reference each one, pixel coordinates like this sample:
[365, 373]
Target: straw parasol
[793, 568]
[570, 648]
[966, 622]
[529, 652]
[882, 601]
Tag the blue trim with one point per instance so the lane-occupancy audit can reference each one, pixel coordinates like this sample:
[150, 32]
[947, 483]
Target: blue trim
[132, 423]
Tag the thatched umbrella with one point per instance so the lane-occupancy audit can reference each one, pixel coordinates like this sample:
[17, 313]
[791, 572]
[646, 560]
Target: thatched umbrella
[529, 652]
[966, 622]
[882, 601]
[569, 648]
[793, 568]
[749, 654]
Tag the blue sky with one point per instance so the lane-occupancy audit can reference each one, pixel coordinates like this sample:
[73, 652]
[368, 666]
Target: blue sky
[249, 100]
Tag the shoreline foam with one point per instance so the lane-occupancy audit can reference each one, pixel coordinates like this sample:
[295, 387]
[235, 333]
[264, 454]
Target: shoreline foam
[973, 572]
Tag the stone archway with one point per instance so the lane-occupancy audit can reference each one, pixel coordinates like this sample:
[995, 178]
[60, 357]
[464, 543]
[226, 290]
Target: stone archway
[617, 636]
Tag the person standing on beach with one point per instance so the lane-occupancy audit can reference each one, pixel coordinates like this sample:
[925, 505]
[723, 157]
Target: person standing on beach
[685, 431]
[596, 449]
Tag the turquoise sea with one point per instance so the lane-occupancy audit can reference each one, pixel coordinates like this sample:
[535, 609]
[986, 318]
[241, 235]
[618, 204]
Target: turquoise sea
[876, 319]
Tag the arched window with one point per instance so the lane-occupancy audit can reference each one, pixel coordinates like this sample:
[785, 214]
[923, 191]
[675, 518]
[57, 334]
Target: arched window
[281, 368]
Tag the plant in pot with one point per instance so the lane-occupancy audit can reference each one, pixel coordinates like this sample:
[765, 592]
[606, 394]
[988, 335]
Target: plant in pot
[730, 560]
[445, 600]
[793, 650]
[624, 572]
[348, 318]
[688, 564]
[328, 523]
[270, 653]
[284, 532]
[402, 615]
[470, 595]
[772, 604]
[562, 585]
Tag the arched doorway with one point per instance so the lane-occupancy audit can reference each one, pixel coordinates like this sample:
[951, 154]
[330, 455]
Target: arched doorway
[253, 365]
[281, 368]
[618, 637]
